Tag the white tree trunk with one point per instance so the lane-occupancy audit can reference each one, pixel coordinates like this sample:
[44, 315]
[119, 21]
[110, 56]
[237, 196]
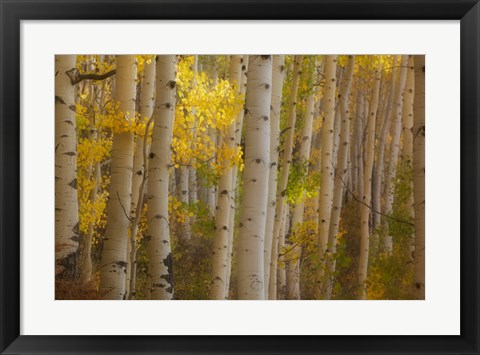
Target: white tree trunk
[226, 202]
[395, 149]
[419, 177]
[114, 255]
[192, 174]
[407, 119]
[358, 158]
[407, 114]
[158, 233]
[281, 277]
[84, 267]
[253, 210]
[341, 174]
[182, 191]
[66, 198]
[146, 110]
[382, 142]
[275, 109]
[293, 287]
[238, 136]
[285, 162]
[327, 171]
[367, 191]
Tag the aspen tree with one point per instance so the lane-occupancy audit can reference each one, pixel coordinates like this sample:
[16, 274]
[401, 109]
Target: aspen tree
[253, 209]
[395, 149]
[275, 109]
[114, 255]
[367, 191]
[66, 198]
[361, 150]
[340, 174]
[146, 110]
[316, 138]
[407, 113]
[158, 232]
[286, 158]
[326, 180]
[407, 121]
[238, 135]
[358, 139]
[131, 285]
[382, 142]
[281, 277]
[293, 288]
[84, 267]
[419, 177]
[225, 203]
[192, 174]
[212, 133]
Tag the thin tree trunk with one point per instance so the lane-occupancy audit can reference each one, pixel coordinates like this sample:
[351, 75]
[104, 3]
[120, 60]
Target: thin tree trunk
[367, 192]
[226, 202]
[192, 174]
[158, 233]
[419, 177]
[238, 136]
[340, 175]
[382, 142]
[293, 287]
[146, 110]
[327, 171]
[281, 290]
[394, 150]
[114, 255]
[253, 210]
[407, 119]
[359, 117]
[131, 286]
[84, 267]
[275, 109]
[286, 160]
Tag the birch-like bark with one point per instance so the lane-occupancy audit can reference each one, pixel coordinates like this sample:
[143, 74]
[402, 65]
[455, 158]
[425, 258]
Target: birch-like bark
[114, 256]
[394, 150]
[253, 209]
[293, 287]
[158, 232]
[407, 121]
[275, 110]
[358, 157]
[285, 162]
[407, 114]
[192, 174]
[327, 171]
[66, 198]
[238, 136]
[340, 174]
[367, 191]
[419, 177]
[382, 143]
[83, 267]
[182, 193]
[146, 110]
[281, 277]
[226, 201]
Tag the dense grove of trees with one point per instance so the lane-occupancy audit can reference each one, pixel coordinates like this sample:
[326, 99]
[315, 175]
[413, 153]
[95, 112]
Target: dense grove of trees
[239, 177]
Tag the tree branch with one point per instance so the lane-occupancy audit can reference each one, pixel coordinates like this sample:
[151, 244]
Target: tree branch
[76, 77]
[370, 207]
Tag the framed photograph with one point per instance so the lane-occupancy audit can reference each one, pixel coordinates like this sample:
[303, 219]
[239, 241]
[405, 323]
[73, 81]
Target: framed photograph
[239, 177]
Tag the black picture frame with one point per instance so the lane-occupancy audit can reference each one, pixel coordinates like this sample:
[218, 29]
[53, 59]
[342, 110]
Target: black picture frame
[13, 12]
